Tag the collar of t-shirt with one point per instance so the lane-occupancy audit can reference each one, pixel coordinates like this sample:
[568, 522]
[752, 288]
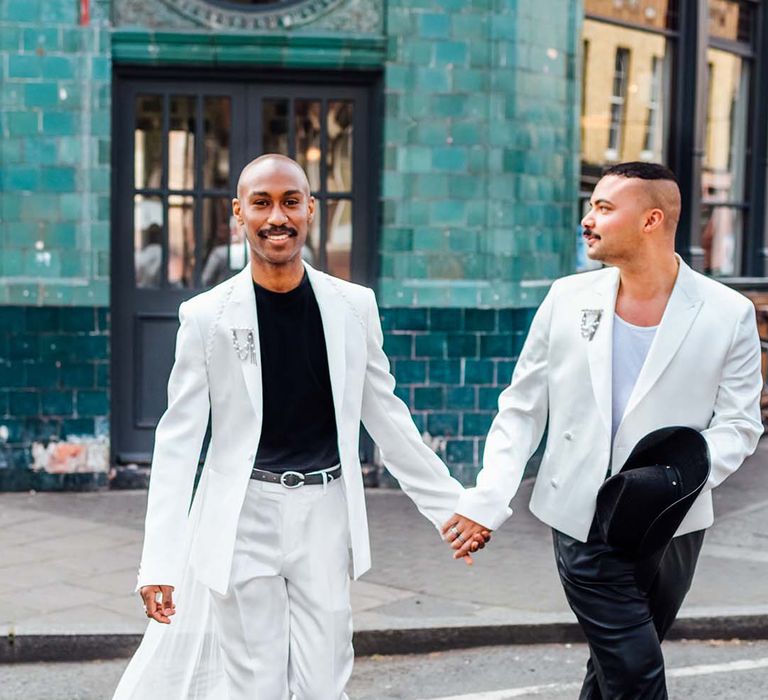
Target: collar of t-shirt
[630, 348]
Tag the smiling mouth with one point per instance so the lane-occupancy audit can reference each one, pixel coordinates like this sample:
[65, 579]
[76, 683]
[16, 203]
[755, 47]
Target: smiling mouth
[282, 234]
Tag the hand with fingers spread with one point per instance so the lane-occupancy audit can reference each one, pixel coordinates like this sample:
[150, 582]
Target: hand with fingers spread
[465, 536]
[158, 603]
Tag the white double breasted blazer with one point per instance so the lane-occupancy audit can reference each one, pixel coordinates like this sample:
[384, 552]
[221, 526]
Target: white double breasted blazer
[702, 371]
[210, 376]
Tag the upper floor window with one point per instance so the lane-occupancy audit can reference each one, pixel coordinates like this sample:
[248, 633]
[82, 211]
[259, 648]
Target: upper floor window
[624, 114]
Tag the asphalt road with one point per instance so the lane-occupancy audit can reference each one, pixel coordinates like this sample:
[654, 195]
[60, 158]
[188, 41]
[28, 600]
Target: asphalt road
[703, 670]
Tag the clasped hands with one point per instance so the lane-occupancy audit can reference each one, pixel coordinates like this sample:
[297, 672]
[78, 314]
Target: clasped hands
[465, 536]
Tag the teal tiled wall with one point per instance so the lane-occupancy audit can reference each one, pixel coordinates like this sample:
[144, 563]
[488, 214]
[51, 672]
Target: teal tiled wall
[451, 364]
[55, 157]
[54, 383]
[480, 152]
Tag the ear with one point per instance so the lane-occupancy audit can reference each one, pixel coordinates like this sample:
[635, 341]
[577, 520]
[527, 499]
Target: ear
[310, 209]
[654, 219]
[237, 211]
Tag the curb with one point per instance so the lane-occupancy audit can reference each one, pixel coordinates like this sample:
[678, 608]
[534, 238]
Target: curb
[27, 648]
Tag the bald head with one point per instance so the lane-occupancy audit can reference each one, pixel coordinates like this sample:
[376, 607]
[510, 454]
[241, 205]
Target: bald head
[269, 163]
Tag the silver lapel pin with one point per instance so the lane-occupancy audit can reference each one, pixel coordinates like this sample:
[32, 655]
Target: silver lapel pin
[590, 320]
[244, 343]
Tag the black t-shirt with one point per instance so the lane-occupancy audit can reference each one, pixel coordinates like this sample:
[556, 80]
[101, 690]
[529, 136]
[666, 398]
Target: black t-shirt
[298, 432]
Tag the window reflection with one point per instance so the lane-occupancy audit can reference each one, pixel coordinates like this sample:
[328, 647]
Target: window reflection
[726, 127]
[181, 241]
[624, 117]
[338, 247]
[274, 126]
[308, 140]
[656, 14]
[218, 125]
[181, 143]
[725, 150]
[339, 156]
[731, 19]
[148, 135]
[147, 240]
[311, 250]
[721, 239]
[617, 102]
[223, 241]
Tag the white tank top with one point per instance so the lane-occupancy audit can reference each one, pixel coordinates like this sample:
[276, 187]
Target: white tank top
[630, 348]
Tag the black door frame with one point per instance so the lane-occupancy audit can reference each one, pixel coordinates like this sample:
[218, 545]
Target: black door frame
[250, 85]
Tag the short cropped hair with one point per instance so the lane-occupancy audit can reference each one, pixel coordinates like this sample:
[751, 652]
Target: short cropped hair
[641, 170]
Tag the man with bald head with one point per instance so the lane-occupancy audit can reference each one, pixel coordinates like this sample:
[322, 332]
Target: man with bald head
[611, 356]
[287, 362]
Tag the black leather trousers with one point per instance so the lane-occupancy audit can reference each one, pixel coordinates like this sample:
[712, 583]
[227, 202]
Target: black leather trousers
[623, 623]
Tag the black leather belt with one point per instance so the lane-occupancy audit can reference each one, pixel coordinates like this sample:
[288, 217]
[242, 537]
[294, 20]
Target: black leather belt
[292, 480]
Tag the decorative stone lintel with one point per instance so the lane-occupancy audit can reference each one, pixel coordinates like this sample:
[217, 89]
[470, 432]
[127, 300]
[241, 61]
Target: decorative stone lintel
[219, 17]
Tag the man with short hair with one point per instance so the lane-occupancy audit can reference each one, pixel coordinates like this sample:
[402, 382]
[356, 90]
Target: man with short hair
[611, 356]
[287, 361]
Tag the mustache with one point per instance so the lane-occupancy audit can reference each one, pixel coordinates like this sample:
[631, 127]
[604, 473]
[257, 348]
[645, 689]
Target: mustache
[277, 230]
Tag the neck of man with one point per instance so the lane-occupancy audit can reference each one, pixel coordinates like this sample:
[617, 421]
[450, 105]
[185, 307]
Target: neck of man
[645, 285]
[277, 278]
[648, 276]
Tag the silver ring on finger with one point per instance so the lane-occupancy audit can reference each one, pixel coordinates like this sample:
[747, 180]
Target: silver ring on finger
[454, 530]
[460, 537]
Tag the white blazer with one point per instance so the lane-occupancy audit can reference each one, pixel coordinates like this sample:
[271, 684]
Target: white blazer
[209, 376]
[702, 371]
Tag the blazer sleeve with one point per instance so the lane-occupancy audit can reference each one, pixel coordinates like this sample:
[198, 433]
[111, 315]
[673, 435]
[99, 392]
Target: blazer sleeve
[420, 472]
[736, 424]
[178, 440]
[516, 430]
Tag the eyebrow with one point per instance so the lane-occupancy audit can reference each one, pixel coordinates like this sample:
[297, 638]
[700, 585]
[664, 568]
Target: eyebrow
[602, 201]
[267, 194]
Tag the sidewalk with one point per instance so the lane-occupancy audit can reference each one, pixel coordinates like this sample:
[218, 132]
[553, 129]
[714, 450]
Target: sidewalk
[68, 563]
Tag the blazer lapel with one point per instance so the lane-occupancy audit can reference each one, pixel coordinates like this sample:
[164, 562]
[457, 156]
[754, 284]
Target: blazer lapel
[242, 317]
[334, 323]
[601, 298]
[682, 308]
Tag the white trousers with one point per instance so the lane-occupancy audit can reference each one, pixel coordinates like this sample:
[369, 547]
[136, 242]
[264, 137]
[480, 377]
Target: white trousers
[285, 624]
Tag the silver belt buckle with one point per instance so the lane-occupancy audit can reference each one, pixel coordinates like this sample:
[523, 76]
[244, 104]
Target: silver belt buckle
[298, 476]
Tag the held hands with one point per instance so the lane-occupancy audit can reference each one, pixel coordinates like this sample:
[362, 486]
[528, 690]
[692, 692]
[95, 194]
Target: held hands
[465, 536]
[158, 603]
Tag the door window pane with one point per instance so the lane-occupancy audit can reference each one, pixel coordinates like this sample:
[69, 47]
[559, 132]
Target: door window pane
[617, 103]
[624, 113]
[181, 241]
[224, 245]
[181, 143]
[731, 19]
[308, 140]
[311, 250]
[148, 135]
[721, 238]
[654, 14]
[147, 240]
[217, 120]
[339, 157]
[274, 126]
[338, 247]
[726, 128]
